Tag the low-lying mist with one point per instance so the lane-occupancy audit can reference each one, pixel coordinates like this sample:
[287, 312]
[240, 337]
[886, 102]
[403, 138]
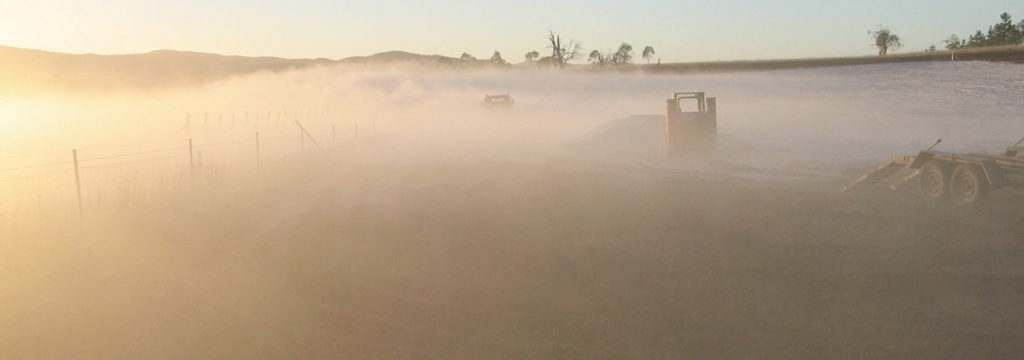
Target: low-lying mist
[824, 115]
[409, 221]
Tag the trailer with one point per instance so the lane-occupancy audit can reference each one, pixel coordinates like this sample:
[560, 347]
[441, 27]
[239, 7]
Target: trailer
[963, 178]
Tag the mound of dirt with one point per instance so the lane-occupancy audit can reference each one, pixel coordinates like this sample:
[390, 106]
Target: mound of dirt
[631, 136]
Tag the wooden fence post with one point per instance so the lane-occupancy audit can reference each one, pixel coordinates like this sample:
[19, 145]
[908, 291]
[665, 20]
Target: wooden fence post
[257, 150]
[78, 182]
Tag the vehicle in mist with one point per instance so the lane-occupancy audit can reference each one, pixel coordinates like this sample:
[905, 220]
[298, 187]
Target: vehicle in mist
[498, 102]
[964, 178]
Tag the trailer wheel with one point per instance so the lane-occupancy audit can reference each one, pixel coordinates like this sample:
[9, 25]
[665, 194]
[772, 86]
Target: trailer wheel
[968, 185]
[934, 181]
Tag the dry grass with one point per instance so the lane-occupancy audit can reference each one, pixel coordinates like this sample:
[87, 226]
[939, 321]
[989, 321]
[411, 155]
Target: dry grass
[1014, 54]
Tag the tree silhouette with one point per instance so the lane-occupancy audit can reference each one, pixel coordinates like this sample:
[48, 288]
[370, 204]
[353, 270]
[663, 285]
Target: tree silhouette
[598, 59]
[954, 42]
[562, 54]
[978, 39]
[467, 57]
[532, 56]
[885, 40]
[1005, 32]
[648, 53]
[545, 62]
[496, 58]
[623, 56]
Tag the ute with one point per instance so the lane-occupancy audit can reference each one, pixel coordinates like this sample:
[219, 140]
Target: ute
[498, 101]
[964, 178]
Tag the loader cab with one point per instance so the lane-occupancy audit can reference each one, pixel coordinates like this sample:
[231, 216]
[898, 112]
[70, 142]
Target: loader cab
[691, 124]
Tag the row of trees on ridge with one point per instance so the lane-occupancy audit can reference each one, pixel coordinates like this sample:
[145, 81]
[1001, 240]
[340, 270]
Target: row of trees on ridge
[564, 52]
[1005, 32]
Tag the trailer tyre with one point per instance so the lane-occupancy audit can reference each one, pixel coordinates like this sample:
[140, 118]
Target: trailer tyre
[934, 181]
[968, 185]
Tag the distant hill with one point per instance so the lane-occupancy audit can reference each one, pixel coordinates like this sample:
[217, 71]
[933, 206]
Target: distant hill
[25, 70]
[399, 56]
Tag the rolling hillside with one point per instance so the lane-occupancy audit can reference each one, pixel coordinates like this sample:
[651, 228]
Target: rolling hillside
[25, 70]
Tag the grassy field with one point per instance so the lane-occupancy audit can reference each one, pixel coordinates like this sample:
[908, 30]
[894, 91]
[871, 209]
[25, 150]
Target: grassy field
[1013, 54]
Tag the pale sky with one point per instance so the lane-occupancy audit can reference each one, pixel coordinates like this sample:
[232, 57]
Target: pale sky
[679, 30]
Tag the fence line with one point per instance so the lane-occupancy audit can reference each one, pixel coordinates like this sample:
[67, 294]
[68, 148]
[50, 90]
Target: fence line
[16, 156]
[40, 190]
[2, 180]
[29, 167]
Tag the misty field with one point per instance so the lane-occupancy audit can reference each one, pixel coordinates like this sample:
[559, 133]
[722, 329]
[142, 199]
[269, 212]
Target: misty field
[408, 222]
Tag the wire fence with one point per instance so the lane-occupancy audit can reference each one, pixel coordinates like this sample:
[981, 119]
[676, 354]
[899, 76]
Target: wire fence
[40, 187]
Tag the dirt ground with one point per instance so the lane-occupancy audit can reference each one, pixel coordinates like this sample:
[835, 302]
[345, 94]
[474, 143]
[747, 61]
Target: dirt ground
[525, 260]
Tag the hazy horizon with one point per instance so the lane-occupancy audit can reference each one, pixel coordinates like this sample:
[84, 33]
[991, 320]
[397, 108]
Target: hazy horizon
[680, 32]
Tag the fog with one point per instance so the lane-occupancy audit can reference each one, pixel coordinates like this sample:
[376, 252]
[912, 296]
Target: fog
[824, 115]
[413, 222]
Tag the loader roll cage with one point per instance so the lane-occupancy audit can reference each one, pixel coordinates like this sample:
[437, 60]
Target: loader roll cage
[699, 96]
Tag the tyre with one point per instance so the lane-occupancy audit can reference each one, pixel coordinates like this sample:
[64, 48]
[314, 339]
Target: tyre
[968, 185]
[934, 181]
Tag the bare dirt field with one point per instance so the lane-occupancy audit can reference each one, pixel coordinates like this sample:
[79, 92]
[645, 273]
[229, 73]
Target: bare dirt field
[525, 260]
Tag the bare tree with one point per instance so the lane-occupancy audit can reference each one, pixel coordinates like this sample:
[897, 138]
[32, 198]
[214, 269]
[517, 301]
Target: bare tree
[562, 54]
[648, 53]
[885, 40]
[532, 56]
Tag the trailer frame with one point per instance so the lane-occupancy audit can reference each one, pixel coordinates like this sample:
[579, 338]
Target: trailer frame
[964, 178]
